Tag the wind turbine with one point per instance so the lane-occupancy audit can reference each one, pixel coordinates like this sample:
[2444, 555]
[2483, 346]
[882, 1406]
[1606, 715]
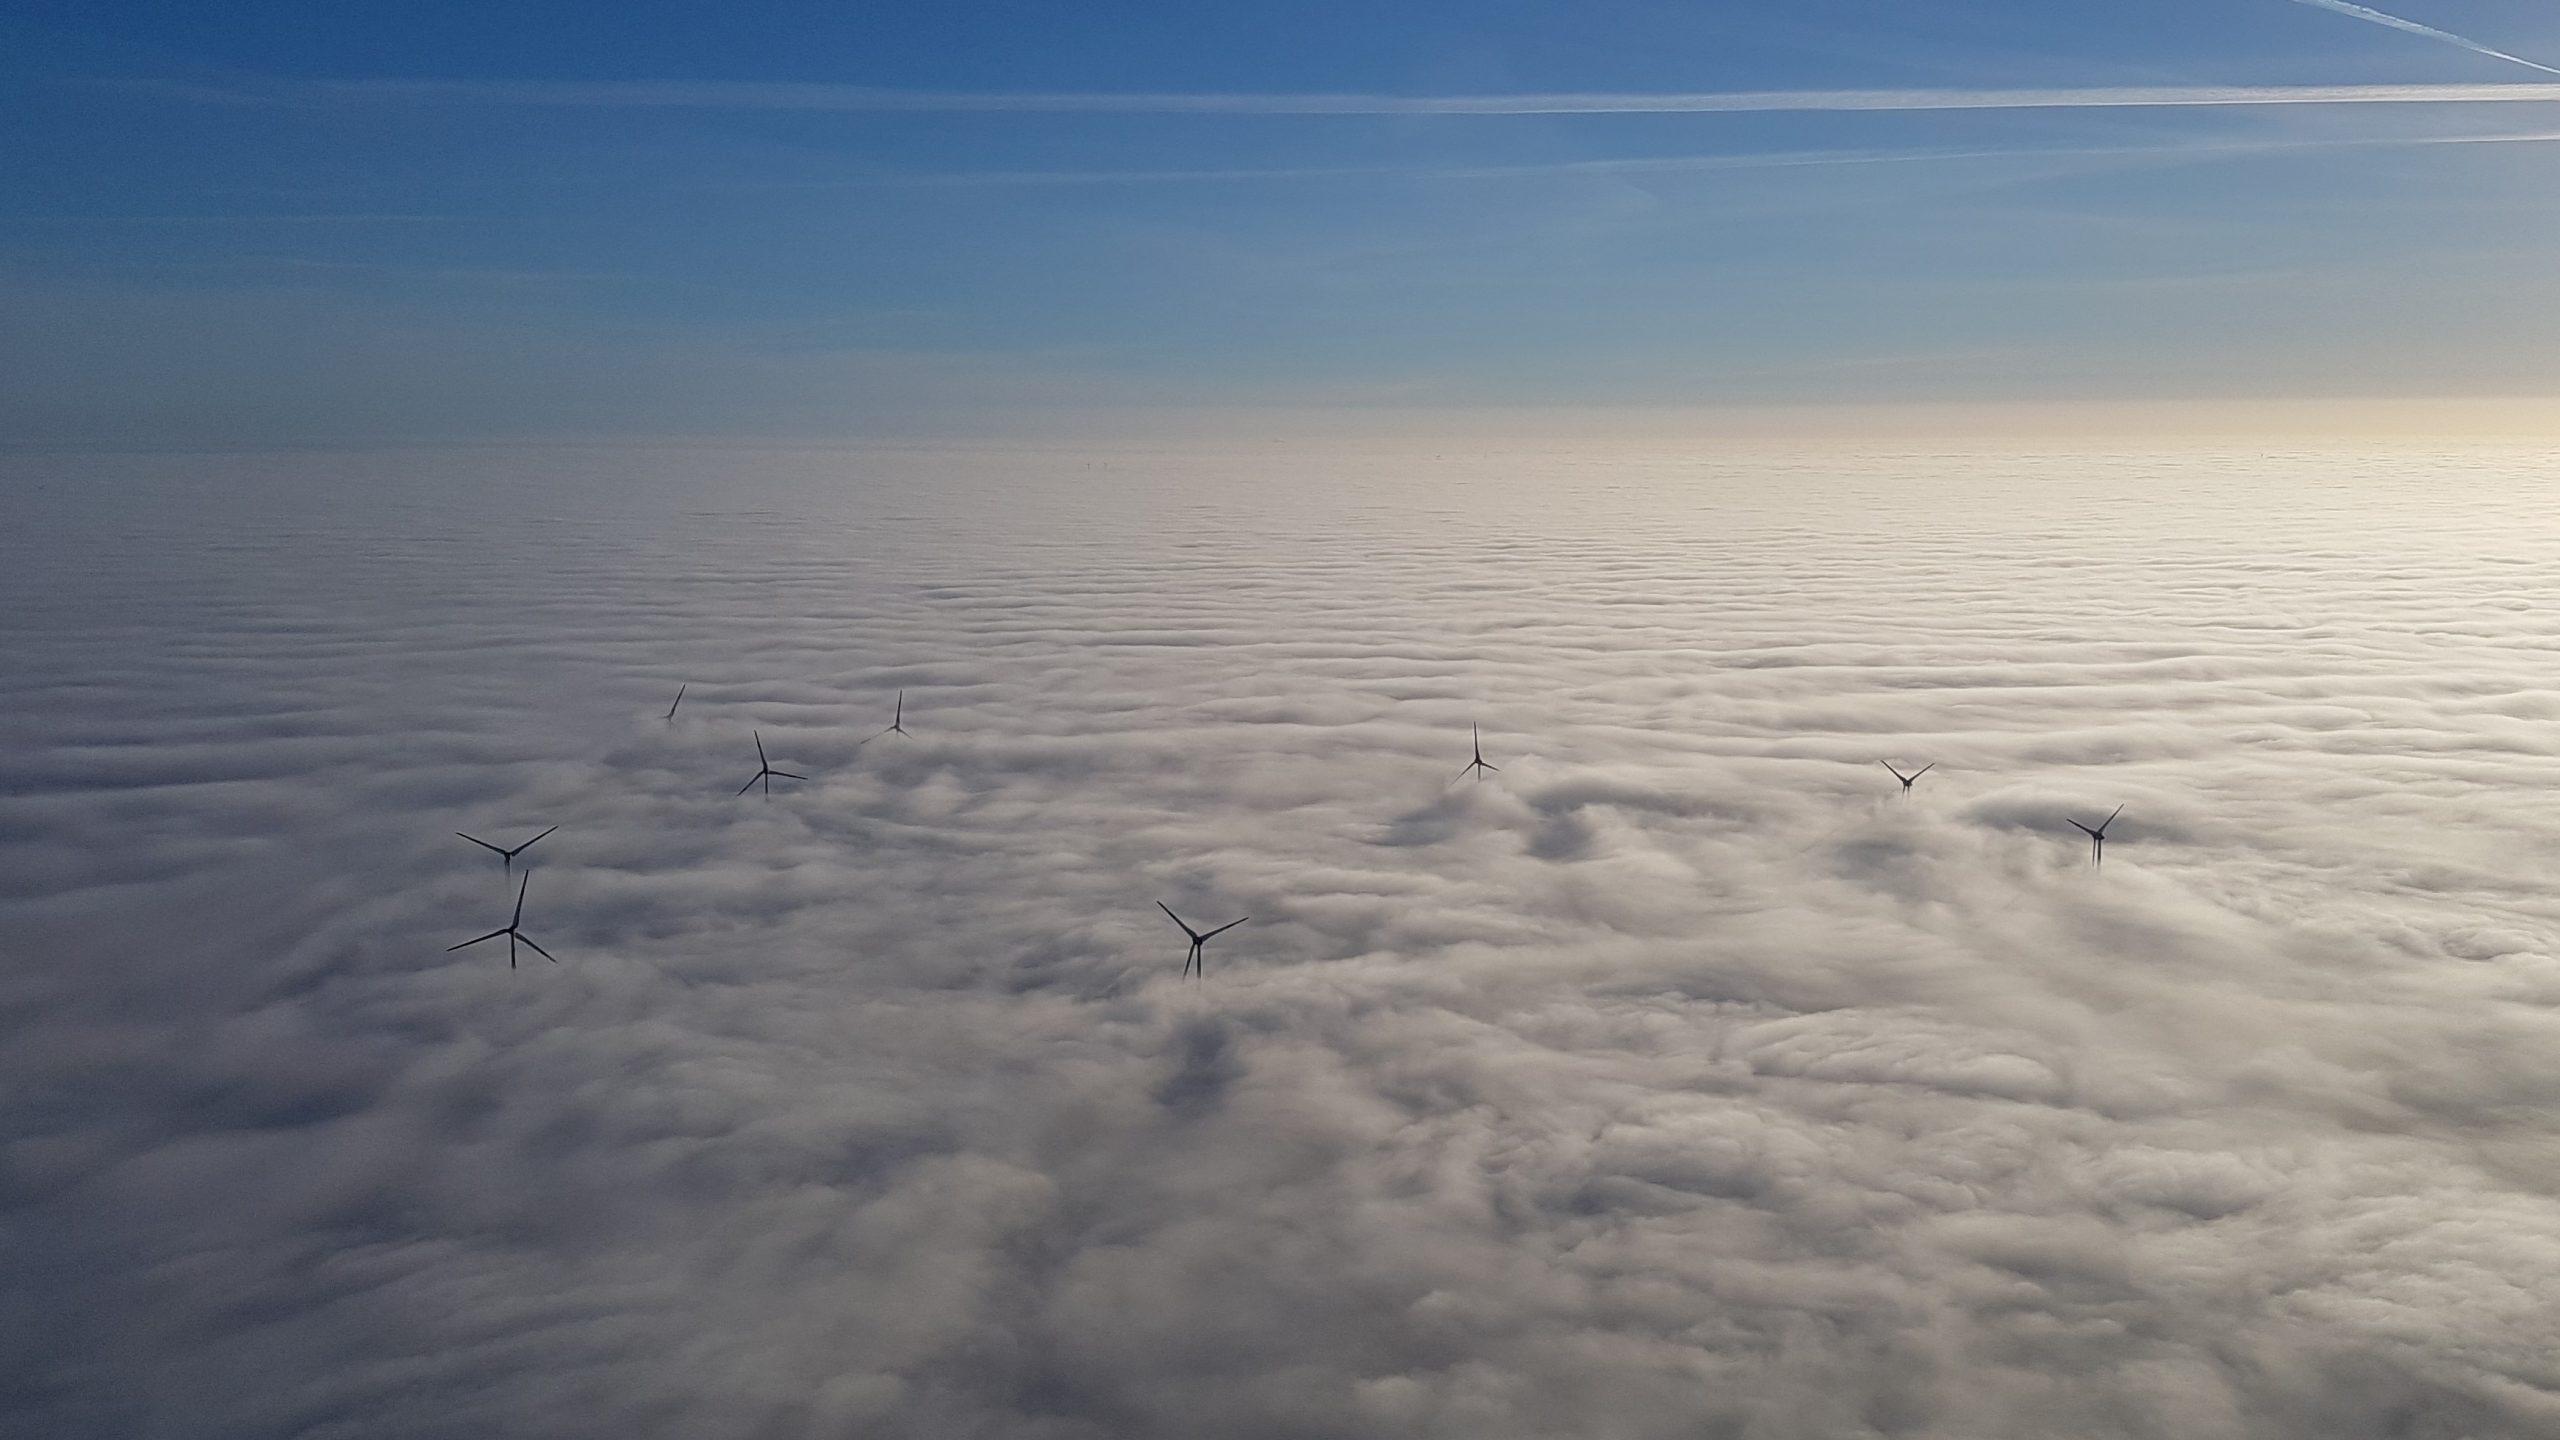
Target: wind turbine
[671, 709]
[507, 858]
[1478, 765]
[2098, 837]
[897, 721]
[1907, 779]
[1195, 959]
[765, 771]
[511, 932]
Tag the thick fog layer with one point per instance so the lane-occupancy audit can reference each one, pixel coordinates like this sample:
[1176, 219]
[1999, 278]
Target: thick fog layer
[1679, 1079]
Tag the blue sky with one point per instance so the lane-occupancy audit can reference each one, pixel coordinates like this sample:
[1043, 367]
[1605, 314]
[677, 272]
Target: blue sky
[285, 223]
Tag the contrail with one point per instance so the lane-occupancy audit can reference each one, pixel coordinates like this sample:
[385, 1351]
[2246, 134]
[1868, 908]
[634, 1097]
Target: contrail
[864, 99]
[1642, 165]
[2361, 12]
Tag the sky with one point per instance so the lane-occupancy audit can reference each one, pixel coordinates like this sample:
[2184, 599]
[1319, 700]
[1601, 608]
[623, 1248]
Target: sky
[293, 224]
[1679, 1078]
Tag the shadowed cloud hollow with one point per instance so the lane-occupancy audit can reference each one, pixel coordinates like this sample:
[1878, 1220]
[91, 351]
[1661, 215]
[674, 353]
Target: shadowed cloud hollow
[1681, 1078]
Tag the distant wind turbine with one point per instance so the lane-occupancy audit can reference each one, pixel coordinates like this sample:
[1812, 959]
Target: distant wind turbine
[511, 932]
[897, 721]
[1478, 765]
[506, 858]
[2098, 837]
[1907, 779]
[1195, 960]
[671, 709]
[765, 771]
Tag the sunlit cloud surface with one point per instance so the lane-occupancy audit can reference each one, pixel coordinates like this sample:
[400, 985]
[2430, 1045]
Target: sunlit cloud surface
[1678, 1079]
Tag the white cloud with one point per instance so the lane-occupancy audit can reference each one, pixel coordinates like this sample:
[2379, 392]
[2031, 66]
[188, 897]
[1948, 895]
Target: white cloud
[1678, 1080]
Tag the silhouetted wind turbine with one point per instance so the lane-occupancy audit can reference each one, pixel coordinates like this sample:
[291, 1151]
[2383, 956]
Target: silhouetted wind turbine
[1478, 765]
[1195, 958]
[897, 721]
[511, 932]
[1907, 779]
[507, 858]
[671, 709]
[2098, 837]
[765, 771]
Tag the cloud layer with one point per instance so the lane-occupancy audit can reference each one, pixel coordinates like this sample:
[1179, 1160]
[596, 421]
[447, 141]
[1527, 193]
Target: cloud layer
[1679, 1080]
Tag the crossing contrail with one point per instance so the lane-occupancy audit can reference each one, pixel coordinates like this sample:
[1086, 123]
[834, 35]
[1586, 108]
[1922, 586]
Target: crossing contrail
[2361, 12]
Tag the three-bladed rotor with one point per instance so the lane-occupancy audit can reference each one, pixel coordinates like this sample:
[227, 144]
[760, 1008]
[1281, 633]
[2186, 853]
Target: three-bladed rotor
[1196, 959]
[2098, 836]
[506, 857]
[511, 930]
[765, 771]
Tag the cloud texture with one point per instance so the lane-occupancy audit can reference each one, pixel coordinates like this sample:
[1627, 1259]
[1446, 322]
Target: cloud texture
[1678, 1081]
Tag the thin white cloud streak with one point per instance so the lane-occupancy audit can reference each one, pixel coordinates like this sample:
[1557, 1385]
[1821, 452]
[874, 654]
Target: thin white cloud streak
[1670, 164]
[860, 99]
[384, 218]
[1629, 165]
[2376, 17]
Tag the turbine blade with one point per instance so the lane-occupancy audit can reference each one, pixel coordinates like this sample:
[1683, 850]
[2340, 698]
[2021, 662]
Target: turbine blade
[529, 843]
[751, 782]
[519, 915]
[538, 950]
[760, 760]
[787, 775]
[2085, 830]
[1223, 929]
[671, 709]
[2111, 817]
[1888, 765]
[483, 844]
[492, 935]
[1176, 919]
[1925, 769]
